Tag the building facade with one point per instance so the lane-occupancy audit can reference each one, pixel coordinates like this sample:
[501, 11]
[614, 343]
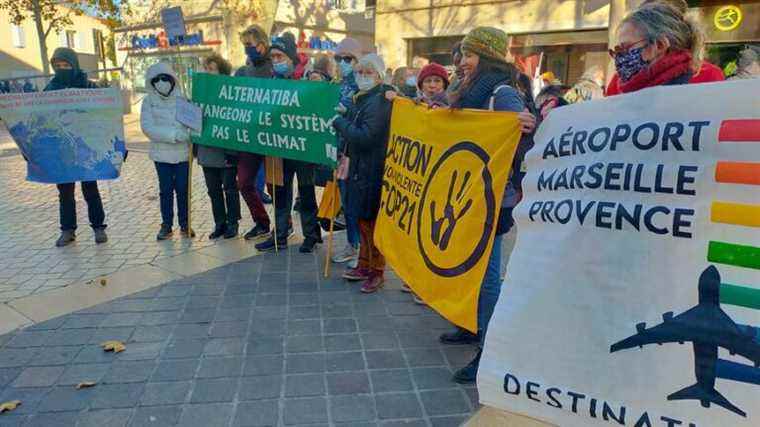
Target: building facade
[567, 37]
[20, 48]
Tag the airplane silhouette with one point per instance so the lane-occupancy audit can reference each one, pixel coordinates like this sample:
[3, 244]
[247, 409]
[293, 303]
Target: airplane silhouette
[707, 327]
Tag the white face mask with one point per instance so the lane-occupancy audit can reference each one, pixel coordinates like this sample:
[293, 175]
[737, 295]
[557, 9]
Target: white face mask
[163, 87]
[365, 83]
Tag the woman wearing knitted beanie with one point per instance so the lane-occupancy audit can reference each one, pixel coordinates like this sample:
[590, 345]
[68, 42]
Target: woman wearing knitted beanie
[490, 83]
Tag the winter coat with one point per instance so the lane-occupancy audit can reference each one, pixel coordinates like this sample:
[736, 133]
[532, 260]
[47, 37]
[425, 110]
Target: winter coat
[211, 157]
[348, 89]
[262, 69]
[168, 138]
[365, 131]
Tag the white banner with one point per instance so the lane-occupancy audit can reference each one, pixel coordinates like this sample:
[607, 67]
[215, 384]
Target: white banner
[639, 226]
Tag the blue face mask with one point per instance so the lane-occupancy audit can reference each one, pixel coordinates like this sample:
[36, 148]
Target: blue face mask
[281, 69]
[346, 69]
[365, 83]
[253, 54]
[630, 63]
[411, 81]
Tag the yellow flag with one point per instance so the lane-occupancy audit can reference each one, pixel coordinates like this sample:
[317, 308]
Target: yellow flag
[329, 206]
[445, 173]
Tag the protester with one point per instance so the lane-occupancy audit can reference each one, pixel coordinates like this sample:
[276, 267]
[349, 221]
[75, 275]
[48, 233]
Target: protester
[589, 87]
[168, 145]
[284, 57]
[322, 70]
[68, 75]
[432, 84]
[705, 73]
[490, 83]
[220, 171]
[657, 45]
[405, 81]
[549, 98]
[28, 86]
[458, 77]
[250, 165]
[347, 57]
[365, 132]
[748, 65]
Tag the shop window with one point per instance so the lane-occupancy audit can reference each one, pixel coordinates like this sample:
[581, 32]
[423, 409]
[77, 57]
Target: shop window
[434, 49]
[18, 36]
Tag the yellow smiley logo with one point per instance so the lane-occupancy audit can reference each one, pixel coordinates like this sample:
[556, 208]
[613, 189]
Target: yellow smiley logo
[727, 18]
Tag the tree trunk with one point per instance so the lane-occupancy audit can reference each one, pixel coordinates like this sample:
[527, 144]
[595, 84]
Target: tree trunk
[41, 36]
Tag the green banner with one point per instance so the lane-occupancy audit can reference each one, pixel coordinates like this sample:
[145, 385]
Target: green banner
[279, 118]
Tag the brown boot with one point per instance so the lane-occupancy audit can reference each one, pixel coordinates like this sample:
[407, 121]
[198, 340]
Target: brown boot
[373, 283]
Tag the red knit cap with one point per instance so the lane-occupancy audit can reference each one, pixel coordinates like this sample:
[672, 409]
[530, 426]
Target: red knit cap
[433, 69]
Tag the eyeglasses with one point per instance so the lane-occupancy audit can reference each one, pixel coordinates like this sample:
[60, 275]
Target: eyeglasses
[623, 48]
[347, 59]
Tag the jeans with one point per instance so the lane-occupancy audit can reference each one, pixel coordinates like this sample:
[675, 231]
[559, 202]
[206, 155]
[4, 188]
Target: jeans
[261, 182]
[223, 192]
[172, 178]
[370, 258]
[249, 168]
[490, 288]
[67, 207]
[352, 222]
[284, 200]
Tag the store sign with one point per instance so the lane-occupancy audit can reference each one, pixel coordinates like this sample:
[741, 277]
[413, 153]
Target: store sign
[161, 41]
[727, 18]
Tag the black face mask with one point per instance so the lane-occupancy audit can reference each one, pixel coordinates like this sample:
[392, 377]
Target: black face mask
[66, 76]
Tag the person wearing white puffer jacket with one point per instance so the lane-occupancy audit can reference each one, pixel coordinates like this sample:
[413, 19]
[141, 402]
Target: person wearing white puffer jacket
[168, 145]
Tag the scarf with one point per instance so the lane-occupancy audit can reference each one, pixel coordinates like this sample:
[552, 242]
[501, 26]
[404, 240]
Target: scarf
[668, 68]
[476, 94]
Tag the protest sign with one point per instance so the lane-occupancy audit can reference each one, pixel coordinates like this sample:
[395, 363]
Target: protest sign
[189, 114]
[279, 118]
[173, 21]
[639, 226]
[67, 135]
[442, 191]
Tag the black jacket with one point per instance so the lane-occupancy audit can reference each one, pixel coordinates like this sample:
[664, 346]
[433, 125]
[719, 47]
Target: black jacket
[365, 131]
[79, 81]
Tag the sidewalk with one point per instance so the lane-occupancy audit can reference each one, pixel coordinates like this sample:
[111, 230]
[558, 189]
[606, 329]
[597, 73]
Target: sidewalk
[263, 341]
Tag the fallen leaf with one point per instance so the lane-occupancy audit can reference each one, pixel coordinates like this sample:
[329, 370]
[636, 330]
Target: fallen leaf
[102, 282]
[86, 384]
[113, 345]
[9, 406]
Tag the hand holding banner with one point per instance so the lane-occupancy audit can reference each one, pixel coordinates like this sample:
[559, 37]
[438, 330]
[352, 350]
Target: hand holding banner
[442, 192]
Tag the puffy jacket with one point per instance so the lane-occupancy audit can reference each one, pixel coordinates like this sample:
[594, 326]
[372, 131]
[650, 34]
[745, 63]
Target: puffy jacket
[168, 138]
[365, 132]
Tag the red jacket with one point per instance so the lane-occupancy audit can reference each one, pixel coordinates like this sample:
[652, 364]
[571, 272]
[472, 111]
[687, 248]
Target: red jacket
[708, 73]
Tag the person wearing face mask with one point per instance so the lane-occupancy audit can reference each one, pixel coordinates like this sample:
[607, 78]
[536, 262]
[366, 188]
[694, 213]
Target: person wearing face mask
[250, 165]
[347, 57]
[706, 72]
[365, 132]
[168, 145]
[657, 45]
[219, 172]
[284, 56]
[68, 75]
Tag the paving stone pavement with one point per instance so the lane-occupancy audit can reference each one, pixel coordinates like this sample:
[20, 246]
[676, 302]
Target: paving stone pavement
[266, 341]
[29, 262]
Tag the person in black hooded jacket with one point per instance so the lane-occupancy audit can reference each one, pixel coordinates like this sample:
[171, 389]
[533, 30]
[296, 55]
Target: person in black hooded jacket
[68, 75]
[364, 128]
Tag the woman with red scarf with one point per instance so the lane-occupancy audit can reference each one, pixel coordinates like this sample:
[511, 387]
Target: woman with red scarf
[657, 45]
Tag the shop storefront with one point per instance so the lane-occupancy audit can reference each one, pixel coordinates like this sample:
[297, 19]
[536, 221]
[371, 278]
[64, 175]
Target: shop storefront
[730, 28]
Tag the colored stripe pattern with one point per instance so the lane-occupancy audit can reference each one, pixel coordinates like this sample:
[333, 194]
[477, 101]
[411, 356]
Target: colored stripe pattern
[740, 296]
[732, 254]
[738, 173]
[746, 130]
[736, 213]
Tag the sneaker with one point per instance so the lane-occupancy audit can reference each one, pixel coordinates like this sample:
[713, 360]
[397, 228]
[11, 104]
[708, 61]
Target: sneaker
[468, 374]
[269, 246]
[100, 235]
[256, 232]
[308, 245]
[353, 263]
[187, 233]
[373, 283]
[164, 233]
[459, 337]
[266, 199]
[406, 289]
[231, 231]
[67, 238]
[418, 300]
[356, 274]
[218, 232]
[347, 254]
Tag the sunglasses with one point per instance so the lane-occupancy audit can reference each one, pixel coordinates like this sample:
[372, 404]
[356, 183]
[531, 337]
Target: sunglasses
[162, 78]
[623, 48]
[346, 59]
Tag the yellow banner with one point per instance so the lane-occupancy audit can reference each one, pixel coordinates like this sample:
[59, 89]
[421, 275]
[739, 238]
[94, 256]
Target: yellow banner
[445, 173]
